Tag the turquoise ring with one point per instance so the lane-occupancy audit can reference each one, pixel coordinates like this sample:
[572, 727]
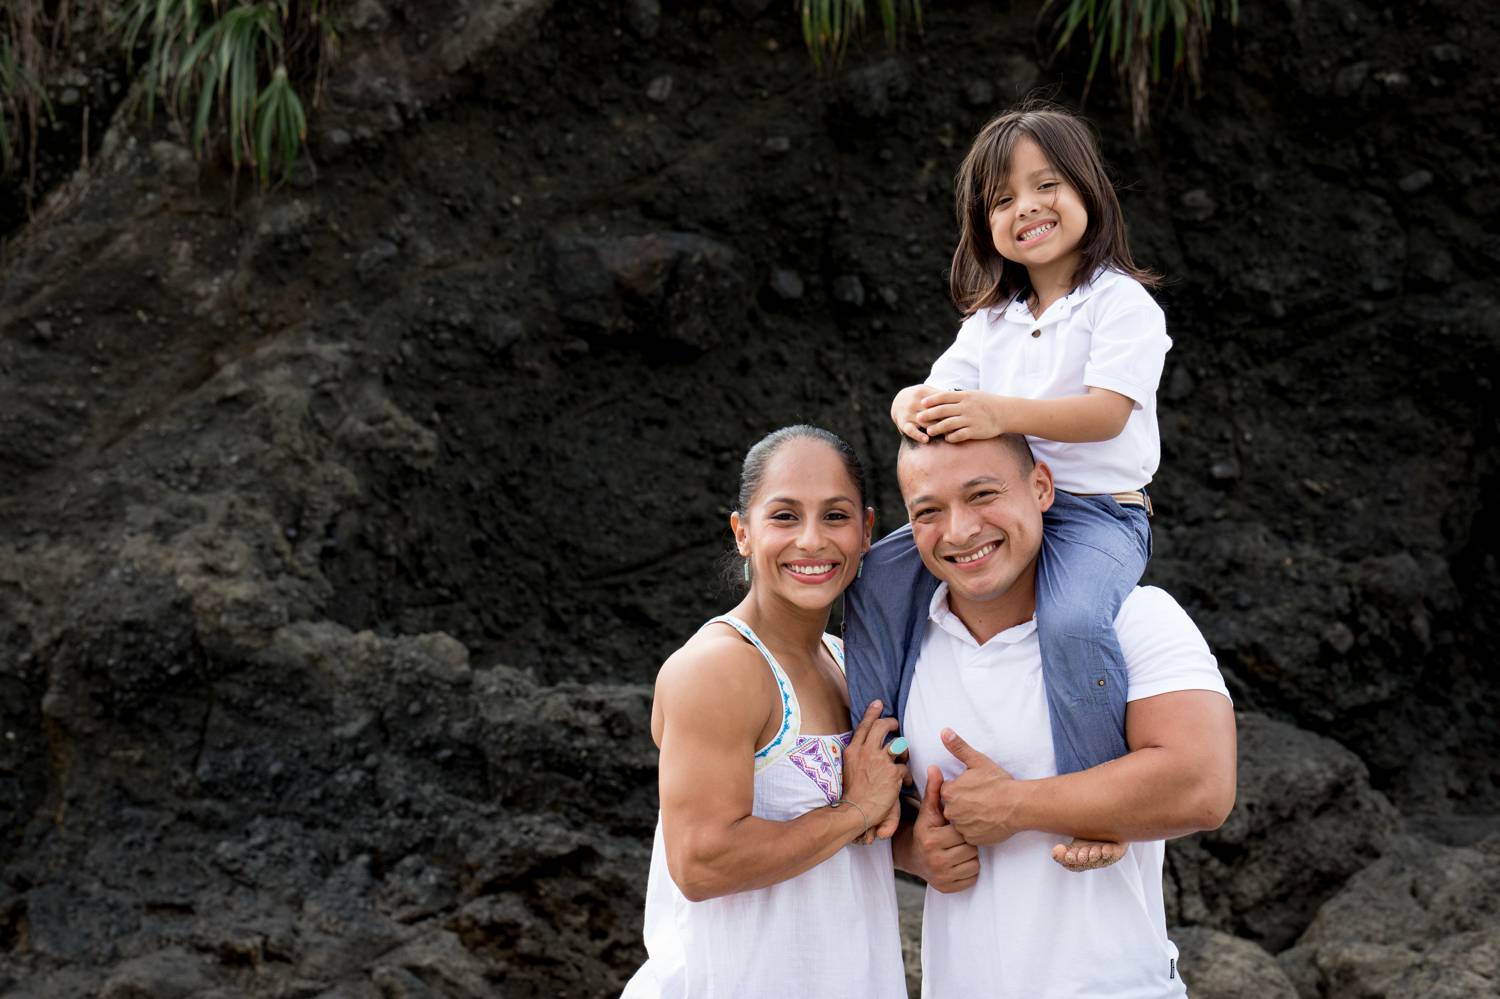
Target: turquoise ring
[898, 746]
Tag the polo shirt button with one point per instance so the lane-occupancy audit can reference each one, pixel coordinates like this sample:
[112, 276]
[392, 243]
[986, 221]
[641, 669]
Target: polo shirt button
[1036, 333]
[1101, 682]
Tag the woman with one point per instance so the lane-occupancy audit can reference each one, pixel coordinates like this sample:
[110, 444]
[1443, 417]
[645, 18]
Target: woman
[771, 872]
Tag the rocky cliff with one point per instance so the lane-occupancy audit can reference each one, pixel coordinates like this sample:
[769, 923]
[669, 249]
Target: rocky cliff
[344, 525]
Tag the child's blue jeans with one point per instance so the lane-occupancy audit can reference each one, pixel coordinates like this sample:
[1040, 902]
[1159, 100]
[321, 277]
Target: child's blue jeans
[1093, 553]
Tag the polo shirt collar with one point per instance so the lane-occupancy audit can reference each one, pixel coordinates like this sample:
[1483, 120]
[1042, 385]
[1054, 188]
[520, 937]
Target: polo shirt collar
[1019, 312]
[940, 614]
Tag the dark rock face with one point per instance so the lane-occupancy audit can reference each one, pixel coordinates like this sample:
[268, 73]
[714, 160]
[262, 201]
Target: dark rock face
[1423, 921]
[344, 528]
[1219, 966]
[672, 287]
[1304, 820]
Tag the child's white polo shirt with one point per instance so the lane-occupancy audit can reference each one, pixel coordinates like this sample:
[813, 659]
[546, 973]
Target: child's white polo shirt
[1109, 334]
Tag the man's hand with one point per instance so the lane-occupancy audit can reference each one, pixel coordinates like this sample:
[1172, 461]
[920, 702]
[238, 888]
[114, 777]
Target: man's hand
[963, 416]
[944, 860]
[1087, 854]
[979, 801]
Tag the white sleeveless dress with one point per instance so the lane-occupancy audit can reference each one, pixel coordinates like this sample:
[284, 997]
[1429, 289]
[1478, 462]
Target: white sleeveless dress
[830, 932]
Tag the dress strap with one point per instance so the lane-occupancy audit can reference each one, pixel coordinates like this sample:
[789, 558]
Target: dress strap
[835, 646]
[786, 736]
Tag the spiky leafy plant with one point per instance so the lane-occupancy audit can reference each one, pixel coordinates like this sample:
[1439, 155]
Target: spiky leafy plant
[828, 24]
[228, 63]
[23, 99]
[1132, 32]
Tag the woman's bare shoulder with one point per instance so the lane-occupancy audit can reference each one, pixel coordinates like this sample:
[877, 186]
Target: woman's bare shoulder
[715, 662]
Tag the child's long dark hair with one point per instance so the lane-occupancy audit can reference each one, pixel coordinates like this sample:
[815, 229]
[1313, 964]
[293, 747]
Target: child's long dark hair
[981, 278]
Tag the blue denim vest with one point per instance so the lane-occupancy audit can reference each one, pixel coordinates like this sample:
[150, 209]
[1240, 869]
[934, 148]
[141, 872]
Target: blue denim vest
[885, 617]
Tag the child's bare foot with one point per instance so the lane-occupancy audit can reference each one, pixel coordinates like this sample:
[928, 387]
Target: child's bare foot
[1087, 854]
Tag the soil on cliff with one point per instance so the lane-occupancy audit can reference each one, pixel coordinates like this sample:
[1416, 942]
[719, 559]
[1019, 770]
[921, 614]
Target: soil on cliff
[345, 527]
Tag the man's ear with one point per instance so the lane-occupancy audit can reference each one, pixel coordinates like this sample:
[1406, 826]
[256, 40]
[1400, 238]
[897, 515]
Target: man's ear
[741, 535]
[1041, 481]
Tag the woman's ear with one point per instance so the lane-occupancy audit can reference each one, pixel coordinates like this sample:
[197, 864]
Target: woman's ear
[741, 535]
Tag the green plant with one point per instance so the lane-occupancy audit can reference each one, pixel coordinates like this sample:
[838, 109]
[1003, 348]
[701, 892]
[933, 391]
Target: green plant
[827, 25]
[1132, 31]
[233, 59]
[23, 99]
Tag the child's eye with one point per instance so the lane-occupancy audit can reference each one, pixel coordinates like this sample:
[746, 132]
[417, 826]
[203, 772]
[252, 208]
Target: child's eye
[1047, 185]
[1002, 203]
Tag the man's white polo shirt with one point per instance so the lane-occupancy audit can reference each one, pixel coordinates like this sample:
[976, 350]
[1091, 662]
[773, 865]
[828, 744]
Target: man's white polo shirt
[1109, 334]
[1029, 929]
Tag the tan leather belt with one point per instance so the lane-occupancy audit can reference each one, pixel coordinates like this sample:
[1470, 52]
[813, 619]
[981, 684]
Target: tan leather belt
[1135, 497]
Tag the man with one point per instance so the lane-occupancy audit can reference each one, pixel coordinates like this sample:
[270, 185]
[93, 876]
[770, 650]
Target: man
[1001, 918]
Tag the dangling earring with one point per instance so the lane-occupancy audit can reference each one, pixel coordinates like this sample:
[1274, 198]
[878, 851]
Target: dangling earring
[745, 569]
[861, 570]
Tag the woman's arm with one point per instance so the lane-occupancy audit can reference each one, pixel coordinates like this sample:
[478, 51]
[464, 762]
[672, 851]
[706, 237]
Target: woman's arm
[714, 700]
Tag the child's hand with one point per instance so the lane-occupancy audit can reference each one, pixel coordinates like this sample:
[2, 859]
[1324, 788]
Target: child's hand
[1087, 854]
[963, 416]
[906, 408]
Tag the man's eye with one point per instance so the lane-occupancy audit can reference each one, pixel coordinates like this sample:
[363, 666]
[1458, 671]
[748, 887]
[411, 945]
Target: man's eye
[985, 494]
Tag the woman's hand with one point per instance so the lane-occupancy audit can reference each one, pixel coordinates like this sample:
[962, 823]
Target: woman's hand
[905, 409]
[872, 777]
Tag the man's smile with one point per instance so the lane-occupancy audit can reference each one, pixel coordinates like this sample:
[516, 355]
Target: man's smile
[975, 556]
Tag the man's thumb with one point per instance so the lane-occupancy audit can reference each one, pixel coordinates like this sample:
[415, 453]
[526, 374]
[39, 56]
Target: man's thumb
[962, 751]
[932, 806]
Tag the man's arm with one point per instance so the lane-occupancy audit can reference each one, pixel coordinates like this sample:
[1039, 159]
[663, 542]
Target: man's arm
[1178, 778]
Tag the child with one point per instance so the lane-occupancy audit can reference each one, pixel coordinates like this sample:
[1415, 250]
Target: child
[1062, 344]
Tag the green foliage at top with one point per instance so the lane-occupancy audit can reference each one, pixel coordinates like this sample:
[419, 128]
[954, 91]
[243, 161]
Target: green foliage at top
[238, 70]
[22, 100]
[1132, 32]
[229, 66]
[828, 24]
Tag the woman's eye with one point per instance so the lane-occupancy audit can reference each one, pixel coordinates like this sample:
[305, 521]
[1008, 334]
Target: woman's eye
[783, 516]
[837, 515]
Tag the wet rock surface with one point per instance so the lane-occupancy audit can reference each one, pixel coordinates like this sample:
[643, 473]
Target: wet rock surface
[344, 526]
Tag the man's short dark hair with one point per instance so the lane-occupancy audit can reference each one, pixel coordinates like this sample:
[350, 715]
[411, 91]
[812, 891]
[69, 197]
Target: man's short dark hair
[1014, 443]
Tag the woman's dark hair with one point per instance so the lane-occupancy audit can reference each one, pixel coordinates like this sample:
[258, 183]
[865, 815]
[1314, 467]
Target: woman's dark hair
[981, 278]
[758, 458]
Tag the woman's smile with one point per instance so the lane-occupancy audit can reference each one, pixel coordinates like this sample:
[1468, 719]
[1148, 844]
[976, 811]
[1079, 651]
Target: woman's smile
[812, 572]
